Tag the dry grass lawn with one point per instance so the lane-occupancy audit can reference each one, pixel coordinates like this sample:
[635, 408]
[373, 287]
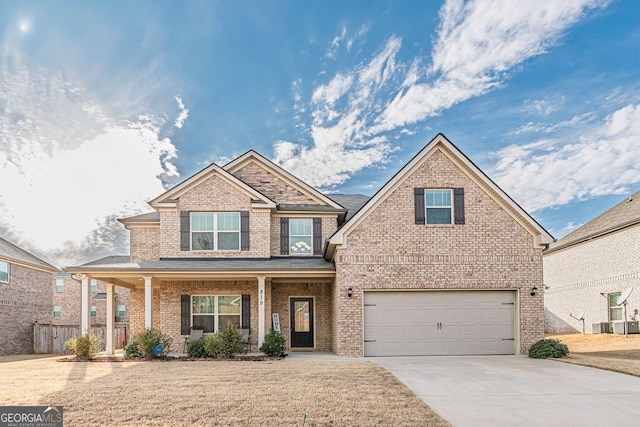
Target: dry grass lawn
[216, 393]
[605, 351]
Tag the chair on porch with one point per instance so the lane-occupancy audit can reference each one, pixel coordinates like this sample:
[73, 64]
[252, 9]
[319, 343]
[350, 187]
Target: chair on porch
[195, 333]
[245, 339]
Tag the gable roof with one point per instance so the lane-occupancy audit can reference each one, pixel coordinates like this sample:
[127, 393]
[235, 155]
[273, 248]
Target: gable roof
[169, 198]
[11, 252]
[252, 156]
[540, 236]
[624, 214]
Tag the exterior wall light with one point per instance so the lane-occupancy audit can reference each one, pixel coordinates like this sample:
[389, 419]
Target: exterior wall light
[534, 291]
[350, 292]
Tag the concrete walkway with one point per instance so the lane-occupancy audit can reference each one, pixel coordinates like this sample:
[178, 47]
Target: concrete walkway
[518, 391]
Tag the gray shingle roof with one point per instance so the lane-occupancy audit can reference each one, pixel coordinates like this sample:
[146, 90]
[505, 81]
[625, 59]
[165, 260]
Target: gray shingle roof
[11, 252]
[624, 214]
[145, 217]
[123, 263]
[352, 202]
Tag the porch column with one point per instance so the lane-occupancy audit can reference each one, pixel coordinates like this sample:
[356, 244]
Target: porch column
[148, 302]
[85, 305]
[110, 316]
[261, 320]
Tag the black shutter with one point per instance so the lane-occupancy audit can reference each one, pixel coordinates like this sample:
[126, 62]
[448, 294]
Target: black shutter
[458, 205]
[317, 236]
[244, 230]
[246, 311]
[185, 314]
[284, 236]
[185, 230]
[418, 196]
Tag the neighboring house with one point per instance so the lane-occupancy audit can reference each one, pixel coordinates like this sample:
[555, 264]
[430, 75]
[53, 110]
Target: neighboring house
[438, 261]
[588, 270]
[66, 301]
[25, 297]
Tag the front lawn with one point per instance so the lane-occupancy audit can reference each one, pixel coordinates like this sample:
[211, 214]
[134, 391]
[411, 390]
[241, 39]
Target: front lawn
[215, 393]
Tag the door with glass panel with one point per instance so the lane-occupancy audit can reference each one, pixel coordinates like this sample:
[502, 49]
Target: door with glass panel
[301, 313]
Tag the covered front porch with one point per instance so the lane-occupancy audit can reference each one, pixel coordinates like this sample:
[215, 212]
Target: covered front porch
[178, 294]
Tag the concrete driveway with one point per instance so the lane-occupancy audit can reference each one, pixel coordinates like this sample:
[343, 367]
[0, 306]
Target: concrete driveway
[518, 391]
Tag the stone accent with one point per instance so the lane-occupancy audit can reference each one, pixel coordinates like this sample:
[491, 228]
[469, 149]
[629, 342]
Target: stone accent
[26, 299]
[321, 292]
[387, 250]
[577, 275]
[272, 186]
[214, 194]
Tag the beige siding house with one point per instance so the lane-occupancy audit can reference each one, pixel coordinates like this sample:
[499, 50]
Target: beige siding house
[25, 297]
[587, 271]
[439, 261]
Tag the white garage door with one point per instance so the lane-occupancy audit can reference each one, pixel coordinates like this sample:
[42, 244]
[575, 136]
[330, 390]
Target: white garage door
[421, 323]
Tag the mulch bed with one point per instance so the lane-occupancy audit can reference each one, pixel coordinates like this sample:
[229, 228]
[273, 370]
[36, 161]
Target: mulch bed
[241, 358]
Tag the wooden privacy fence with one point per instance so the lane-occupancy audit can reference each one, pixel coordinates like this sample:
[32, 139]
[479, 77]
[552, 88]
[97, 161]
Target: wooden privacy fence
[48, 338]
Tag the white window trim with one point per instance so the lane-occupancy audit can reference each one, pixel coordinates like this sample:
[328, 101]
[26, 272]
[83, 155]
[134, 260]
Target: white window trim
[93, 309]
[614, 307]
[94, 285]
[291, 235]
[60, 288]
[215, 232]
[8, 271]
[426, 206]
[216, 314]
[59, 311]
[124, 310]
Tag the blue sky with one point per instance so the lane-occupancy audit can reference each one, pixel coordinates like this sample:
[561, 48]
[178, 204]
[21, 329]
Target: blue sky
[103, 105]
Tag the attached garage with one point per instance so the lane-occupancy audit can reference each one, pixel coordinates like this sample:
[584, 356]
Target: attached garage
[429, 323]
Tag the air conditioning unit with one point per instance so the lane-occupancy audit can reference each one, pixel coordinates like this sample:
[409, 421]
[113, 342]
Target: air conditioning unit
[632, 327]
[601, 328]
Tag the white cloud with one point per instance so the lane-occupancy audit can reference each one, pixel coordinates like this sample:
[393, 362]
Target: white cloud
[478, 43]
[552, 173]
[69, 163]
[184, 113]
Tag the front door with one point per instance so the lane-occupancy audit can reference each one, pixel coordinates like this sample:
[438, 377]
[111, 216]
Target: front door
[301, 312]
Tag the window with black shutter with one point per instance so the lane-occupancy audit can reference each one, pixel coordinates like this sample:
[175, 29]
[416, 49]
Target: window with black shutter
[185, 314]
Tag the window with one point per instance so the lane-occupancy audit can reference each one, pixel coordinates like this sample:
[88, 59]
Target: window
[122, 311]
[300, 238]
[94, 285]
[218, 231]
[615, 311]
[439, 207]
[59, 285]
[212, 312]
[93, 311]
[4, 272]
[56, 311]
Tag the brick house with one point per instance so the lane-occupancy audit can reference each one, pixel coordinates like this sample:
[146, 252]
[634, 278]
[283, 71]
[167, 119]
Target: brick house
[587, 271]
[438, 261]
[25, 297]
[66, 301]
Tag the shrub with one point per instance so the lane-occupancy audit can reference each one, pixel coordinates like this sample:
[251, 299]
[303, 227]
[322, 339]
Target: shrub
[196, 348]
[273, 344]
[224, 343]
[150, 338]
[85, 346]
[132, 350]
[546, 348]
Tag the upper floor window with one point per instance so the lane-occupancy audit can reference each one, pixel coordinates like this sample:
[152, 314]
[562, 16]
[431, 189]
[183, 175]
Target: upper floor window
[218, 231]
[615, 311]
[93, 311]
[122, 310]
[4, 272]
[57, 312]
[300, 236]
[59, 285]
[94, 285]
[439, 207]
